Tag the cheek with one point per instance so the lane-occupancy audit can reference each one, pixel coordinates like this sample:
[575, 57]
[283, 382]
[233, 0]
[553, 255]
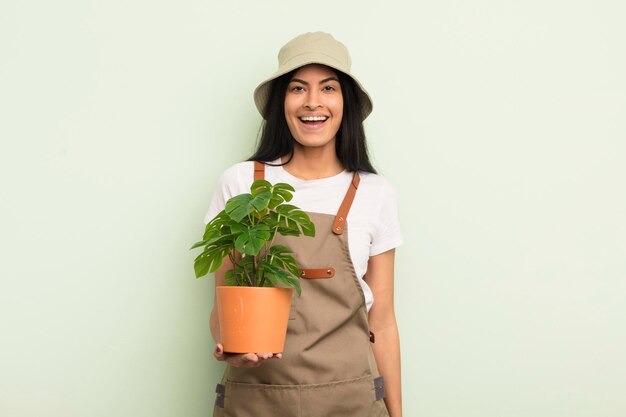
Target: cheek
[288, 113]
[291, 126]
[338, 107]
[291, 123]
[339, 112]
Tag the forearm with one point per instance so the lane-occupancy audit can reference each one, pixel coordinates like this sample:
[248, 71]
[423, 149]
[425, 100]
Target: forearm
[387, 354]
[382, 322]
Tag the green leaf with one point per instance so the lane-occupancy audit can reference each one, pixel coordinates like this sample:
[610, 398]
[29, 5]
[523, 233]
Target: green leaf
[250, 240]
[238, 228]
[243, 205]
[201, 265]
[281, 192]
[239, 206]
[289, 228]
[280, 250]
[293, 214]
[260, 186]
[210, 260]
[212, 236]
[284, 190]
[214, 227]
[261, 200]
[277, 276]
[223, 240]
[280, 256]
[231, 278]
[201, 243]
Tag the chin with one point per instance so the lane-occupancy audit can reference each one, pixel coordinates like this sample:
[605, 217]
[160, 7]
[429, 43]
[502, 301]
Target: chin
[312, 143]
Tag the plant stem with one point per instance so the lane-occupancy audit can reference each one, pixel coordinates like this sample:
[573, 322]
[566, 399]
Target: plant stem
[268, 247]
[245, 271]
[232, 261]
[254, 269]
[274, 237]
[262, 275]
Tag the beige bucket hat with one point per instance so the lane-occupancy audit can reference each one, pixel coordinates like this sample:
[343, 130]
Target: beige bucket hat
[312, 48]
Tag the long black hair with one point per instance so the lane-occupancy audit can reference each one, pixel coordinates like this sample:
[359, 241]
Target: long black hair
[276, 139]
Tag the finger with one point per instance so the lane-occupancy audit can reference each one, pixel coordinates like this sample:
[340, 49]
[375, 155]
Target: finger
[250, 358]
[265, 355]
[219, 352]
[240, 360]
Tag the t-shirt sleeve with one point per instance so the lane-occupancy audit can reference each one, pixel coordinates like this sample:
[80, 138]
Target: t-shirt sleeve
[387, 233]
[225, 188]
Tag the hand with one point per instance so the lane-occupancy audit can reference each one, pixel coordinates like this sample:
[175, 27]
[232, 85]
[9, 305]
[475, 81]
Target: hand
[244, 360]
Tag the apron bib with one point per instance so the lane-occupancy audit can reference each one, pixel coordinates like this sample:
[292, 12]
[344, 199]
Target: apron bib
[328, 367]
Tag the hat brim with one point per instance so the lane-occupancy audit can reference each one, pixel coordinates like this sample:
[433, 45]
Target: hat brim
[262, 92]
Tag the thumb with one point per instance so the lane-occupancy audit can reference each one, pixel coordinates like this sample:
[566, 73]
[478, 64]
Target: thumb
[219, 352]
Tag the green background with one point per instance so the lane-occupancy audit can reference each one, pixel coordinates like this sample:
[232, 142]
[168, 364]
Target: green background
[501, 123]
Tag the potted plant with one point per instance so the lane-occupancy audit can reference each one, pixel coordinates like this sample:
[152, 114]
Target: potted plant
[256, 300]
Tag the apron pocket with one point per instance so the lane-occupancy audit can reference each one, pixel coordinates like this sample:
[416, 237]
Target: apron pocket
[355, 397]
[261, 400]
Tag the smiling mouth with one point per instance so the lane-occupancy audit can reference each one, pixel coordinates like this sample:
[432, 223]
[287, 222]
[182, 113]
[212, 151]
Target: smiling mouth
[313, 121]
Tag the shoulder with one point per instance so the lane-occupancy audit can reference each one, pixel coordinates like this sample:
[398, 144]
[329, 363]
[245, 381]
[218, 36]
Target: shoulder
[376, 184]
[376, 197]
[239, 170]
[237, 178]
[381, 196]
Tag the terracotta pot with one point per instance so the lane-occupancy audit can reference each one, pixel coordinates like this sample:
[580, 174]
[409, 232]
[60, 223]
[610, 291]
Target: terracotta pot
[253, 319]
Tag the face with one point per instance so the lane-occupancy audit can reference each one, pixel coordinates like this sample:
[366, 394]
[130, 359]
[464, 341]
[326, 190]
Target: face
[314, 106]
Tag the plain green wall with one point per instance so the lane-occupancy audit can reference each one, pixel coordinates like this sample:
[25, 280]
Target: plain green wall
[502, 123]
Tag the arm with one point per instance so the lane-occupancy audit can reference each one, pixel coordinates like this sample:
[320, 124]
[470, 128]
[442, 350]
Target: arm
[247, 360]
[382, 321]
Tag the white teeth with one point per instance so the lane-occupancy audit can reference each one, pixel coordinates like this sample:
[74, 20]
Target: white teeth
[313, 118]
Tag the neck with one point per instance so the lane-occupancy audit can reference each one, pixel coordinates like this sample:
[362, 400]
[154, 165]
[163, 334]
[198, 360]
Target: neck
[312, 163]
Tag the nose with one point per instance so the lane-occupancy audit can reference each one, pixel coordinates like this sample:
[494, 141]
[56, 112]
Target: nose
[312, 100]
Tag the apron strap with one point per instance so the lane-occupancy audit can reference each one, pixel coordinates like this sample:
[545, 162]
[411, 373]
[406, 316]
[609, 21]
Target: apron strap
[259, 170]
[317, 273]
[340, 219]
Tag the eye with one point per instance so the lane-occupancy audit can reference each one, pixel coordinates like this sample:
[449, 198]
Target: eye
[329, 88]
[296, 88]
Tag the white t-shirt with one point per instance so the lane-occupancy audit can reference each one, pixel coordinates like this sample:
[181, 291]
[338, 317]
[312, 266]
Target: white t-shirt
[373, 225]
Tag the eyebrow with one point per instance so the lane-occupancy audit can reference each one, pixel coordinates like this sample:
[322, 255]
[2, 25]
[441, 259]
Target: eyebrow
[325, 80]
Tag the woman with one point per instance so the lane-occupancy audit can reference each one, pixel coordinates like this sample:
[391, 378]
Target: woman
[342, 343]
